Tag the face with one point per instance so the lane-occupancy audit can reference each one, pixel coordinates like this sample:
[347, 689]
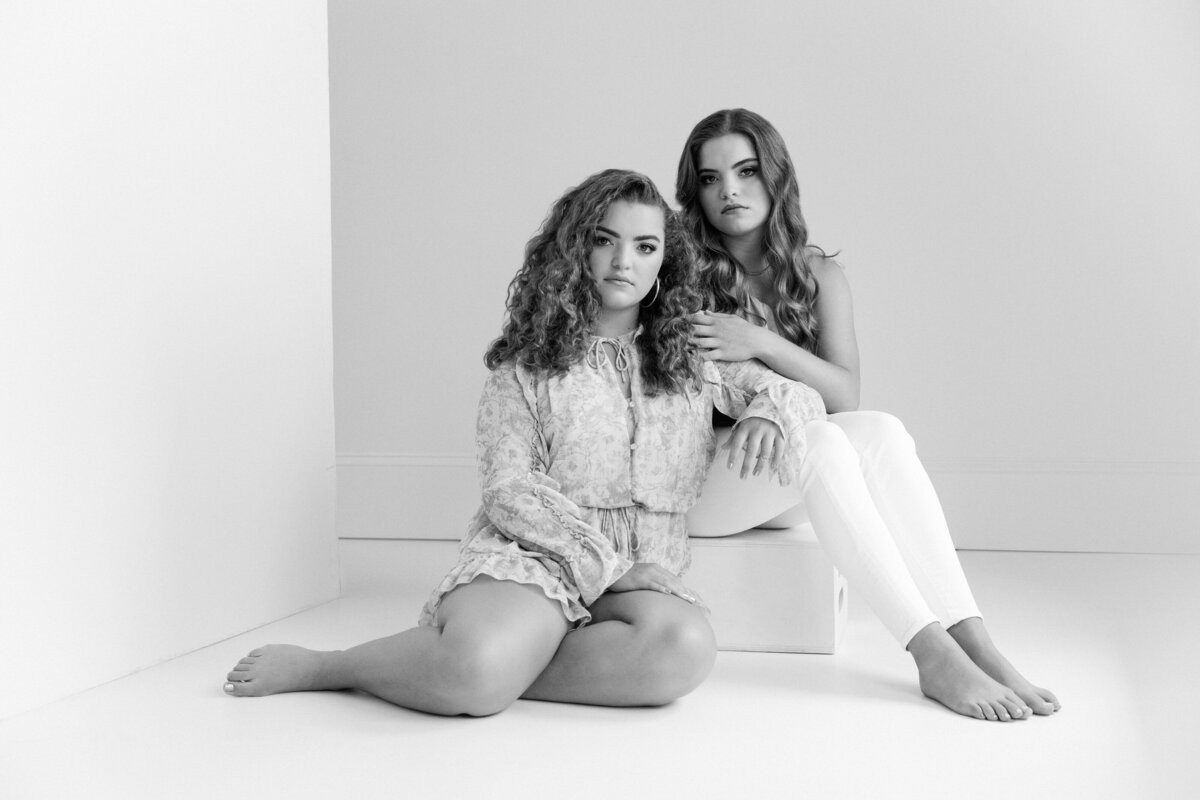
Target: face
[627, 253]
[732, 194]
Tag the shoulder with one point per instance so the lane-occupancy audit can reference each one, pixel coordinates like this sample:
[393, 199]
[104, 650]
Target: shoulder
[503, 372]
[824, 268]
[830, 275]
[508, 378]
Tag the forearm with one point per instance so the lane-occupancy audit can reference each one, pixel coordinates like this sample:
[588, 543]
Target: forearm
[523, 501]
[837, 386]
[543, 520]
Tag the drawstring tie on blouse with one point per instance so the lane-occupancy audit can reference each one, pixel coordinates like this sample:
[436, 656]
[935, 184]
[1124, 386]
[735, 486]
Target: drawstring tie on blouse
[597, 356]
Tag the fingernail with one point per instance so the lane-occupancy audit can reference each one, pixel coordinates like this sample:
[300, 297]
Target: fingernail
[228, 687]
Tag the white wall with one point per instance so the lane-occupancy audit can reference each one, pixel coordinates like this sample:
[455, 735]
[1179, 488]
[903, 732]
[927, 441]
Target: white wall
[1014, 186]
[166, 433]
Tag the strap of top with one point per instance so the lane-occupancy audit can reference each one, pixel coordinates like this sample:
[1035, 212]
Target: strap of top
[764, 312]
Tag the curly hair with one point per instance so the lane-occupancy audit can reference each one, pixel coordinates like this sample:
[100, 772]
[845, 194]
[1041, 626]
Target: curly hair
[553, 300]
[785, 238]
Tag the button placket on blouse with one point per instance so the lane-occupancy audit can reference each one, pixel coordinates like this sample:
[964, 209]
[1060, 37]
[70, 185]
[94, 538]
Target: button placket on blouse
[625, 362]
[634, 388]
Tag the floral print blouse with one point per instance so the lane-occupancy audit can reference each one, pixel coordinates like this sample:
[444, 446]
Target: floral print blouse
[579, 482]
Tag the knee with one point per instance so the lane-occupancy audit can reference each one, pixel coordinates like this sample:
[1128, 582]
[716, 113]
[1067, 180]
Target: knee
[827, 445]
[887, 425]
[686, 650]
[867, 430]
[887, 431]
[475, 680]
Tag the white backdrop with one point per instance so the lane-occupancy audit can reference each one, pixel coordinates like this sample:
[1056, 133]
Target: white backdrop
[166, 414]
[1014, 188]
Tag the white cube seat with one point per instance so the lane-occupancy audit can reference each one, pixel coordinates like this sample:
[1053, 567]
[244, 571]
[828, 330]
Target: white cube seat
[770, 591]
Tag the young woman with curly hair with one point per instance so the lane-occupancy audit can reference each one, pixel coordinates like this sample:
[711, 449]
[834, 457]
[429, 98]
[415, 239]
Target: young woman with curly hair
[594, 434]
[775, 297]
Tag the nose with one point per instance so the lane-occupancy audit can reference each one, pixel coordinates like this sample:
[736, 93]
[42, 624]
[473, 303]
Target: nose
[622, 257]
[729, 189]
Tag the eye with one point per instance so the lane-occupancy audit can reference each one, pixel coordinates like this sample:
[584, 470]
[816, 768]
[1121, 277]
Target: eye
[706, 180]
[647, 248]
[749, 172]
[600, 240]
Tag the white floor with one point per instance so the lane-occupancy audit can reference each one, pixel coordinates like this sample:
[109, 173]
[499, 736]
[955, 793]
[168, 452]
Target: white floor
[1116, 636]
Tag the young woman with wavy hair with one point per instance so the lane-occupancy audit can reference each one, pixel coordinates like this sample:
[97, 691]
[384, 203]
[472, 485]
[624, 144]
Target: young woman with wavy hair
[594, 434]
[775, 297]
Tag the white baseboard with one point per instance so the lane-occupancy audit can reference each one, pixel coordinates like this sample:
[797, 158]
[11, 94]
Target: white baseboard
[992, 504]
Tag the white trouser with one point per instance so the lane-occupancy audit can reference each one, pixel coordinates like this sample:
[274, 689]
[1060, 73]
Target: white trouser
[874, 510]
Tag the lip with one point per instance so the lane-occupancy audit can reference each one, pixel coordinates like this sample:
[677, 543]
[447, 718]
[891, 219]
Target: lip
[733, 207]
[625, 281]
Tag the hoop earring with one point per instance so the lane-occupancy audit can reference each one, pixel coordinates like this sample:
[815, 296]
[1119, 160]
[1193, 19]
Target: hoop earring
[654, 299]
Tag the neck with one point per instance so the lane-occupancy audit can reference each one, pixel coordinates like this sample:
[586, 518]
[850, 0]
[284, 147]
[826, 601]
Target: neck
[611, 324]
[749, 251]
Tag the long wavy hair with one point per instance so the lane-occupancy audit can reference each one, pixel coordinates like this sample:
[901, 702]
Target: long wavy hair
[553, 301]
[785, 234]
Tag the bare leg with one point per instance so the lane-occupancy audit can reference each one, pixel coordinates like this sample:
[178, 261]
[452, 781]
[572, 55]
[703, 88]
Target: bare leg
[972, 636]
[641, 649]
[950, 677]
[495, 638]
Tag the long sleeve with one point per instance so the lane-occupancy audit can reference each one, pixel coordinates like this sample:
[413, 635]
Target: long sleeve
[525, 503]
[745, 389]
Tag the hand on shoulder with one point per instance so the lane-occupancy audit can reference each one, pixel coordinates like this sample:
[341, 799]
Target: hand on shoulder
[725, 337]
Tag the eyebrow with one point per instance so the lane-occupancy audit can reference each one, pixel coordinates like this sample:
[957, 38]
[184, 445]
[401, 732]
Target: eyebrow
[616, 235]
[735, 166]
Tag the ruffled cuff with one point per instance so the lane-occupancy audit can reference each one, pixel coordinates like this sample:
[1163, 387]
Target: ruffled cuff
[591, 564]
[791, 406]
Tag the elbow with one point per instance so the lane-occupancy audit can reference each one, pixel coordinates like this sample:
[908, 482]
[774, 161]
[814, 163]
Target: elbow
[849, 403]
[845, 399]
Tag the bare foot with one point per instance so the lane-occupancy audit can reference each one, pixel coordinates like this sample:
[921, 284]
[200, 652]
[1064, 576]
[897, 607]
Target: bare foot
[949, 676]
[279, 668]
[972, 636]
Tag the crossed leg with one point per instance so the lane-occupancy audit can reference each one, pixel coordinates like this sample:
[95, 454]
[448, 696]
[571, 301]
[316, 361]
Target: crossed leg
[501, 640]
[641, 649]
[494, 640]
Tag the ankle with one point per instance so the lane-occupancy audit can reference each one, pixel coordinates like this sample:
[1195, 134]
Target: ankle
[331, 669]
[931, 643]
[972, 636]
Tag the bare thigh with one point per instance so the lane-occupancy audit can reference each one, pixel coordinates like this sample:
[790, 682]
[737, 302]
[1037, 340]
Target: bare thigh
[649, 609]
[641, 648]
[497, 637]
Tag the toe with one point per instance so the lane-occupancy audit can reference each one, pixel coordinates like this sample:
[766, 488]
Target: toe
[1015, 708]
[1048, 697]
[1042, 708]
[1042, 702]
[1002, 713]
[988, 712]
